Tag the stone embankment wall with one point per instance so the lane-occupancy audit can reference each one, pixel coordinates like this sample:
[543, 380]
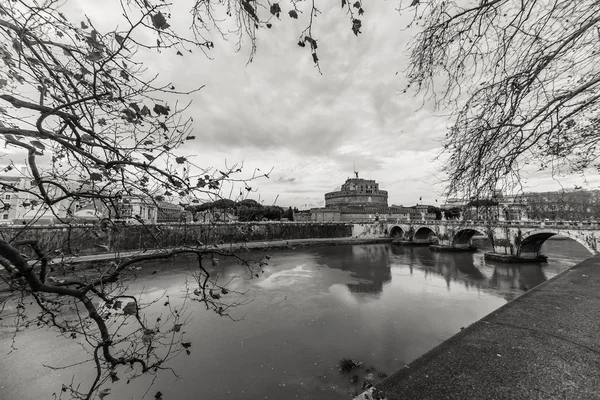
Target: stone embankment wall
[369, 230]
[81, 240]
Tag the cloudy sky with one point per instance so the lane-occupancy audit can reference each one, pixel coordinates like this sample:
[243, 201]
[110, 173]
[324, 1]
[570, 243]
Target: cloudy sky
[279, 112]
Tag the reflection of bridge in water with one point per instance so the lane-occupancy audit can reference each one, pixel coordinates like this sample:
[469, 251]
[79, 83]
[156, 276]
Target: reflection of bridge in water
[371, 266]
[521, 239]
[471, 270]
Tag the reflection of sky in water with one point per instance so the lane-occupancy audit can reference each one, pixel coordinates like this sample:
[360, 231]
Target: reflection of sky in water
[384, 305]
[297, 275]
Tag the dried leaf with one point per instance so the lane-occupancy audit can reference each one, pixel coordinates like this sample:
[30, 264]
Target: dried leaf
[356, 25]
[145, 111]
[130, 308]
[103, 393]
[135, 107]
[101, 122]
[94, 56]
[120, 39]
[95, 176]
[148, 156]
[159, 21]
[275, 9]
[186, 345]
[177, 327]
[160, 109]
[180, 160]
[249, 9]
[293, 14]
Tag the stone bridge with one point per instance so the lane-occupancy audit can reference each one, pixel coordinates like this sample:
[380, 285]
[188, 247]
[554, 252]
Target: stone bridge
[517, 238]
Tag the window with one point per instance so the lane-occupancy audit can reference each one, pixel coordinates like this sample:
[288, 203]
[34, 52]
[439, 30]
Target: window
[7, 197]
[5, 216]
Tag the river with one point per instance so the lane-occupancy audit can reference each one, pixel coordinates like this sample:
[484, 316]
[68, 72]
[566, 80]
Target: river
[381, 304]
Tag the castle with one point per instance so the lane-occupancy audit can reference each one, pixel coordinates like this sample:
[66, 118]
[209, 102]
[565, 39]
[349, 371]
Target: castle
[361, 200]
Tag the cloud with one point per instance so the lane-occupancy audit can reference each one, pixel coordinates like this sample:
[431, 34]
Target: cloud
[313, 129]
[287, 180]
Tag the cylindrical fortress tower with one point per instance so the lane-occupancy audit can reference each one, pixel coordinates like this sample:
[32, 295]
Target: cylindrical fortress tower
[357, 192]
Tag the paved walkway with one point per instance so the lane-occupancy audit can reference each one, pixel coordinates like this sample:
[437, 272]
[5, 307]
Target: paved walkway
[543, 345]
[228, 246]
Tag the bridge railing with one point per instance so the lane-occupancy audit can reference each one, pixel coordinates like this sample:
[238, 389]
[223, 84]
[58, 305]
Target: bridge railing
[514, 223]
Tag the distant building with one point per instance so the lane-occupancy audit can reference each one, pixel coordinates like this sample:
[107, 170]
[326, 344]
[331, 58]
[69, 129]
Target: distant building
[497, 207]
[357, 192]
[129, 209]
[168, 212]
[361, 200]
[19, 203]
[302, 216]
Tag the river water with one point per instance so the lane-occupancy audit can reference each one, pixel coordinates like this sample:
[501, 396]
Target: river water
[381, 304]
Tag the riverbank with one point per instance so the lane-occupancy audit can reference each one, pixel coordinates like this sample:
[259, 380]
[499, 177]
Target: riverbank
[236, 247]
[544, 344]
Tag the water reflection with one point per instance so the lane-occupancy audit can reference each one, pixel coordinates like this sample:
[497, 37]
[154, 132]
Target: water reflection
[384, 305]
[372, 266]
[472, 271]
[369, 264]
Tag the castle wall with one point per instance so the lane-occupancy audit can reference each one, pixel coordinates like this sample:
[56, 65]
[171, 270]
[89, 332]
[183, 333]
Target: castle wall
[349, 198]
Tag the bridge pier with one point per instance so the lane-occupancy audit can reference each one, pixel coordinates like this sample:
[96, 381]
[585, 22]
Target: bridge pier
[514, 259]
[413, 242]
[451, 248]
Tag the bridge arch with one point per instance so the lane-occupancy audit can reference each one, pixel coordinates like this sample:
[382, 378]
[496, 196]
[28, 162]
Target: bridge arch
[396, 231]
[463, 236]
[532, 241]
[423, 232]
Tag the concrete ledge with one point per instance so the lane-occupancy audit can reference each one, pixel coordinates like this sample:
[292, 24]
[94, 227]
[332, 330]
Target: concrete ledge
[543, 345]
[263, 245]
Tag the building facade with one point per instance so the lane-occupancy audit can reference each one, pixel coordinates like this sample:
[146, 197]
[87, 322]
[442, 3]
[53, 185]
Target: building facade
[361, 200]
[357, 192]
[19, 204]
[168, 212]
